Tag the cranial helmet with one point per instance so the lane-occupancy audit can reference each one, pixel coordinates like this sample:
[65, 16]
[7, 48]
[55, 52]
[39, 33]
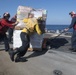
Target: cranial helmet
[6, 15]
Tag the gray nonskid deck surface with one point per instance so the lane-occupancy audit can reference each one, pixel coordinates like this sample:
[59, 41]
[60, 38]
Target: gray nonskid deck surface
[41, 63]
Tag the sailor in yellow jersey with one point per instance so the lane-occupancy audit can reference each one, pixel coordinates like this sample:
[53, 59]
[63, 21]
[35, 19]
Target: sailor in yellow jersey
[30, 28]
[31, 25]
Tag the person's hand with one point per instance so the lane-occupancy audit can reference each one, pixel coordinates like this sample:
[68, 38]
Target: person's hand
[15, 23]
[66, 29]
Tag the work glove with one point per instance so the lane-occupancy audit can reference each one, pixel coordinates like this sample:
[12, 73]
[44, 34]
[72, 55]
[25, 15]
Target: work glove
[66, 29]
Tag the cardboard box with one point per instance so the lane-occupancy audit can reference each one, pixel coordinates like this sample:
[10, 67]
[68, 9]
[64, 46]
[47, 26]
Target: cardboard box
[35, 40]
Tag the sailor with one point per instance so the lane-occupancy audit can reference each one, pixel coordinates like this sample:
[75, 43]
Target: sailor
[5, 24]
[10, 30]
[31, 27]
[72, 25]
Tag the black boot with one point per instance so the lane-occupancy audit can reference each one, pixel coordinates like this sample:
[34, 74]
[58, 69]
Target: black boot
[20, 59]
[74, 50]
[12, 54]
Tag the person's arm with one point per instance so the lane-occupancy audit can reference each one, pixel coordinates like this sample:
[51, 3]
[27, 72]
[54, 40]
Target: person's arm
[8, 24]
[38, 30]
[72, 22]
[71, 25]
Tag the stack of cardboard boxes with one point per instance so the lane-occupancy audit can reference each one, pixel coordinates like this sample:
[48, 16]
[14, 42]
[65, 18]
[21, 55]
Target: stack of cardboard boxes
[35, 39]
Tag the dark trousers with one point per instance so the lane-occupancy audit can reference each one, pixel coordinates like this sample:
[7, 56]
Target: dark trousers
[25, 44]
[10, 34]
[4, 38]
[73, 39]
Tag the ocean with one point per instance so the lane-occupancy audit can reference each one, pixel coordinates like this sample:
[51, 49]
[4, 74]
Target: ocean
[57, 27]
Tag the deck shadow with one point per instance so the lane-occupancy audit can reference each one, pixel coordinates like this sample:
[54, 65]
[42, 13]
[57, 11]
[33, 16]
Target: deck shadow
[56, 43]
[2, 49]
[36, 53]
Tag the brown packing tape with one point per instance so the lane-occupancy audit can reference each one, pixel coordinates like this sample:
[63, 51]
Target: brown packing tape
[34, 49]
[39, 49]
[17, 28]
[44, 43]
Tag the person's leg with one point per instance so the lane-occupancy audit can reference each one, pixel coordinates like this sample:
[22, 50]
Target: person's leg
[23, 49]
[1, 37]
[10, 34]
[25, 45]
[6, 43]
[73, 40]
[20, 54]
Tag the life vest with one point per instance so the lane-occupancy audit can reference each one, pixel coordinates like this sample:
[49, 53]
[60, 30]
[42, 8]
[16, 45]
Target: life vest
[3, 29]
[0, 25]
[74, 26]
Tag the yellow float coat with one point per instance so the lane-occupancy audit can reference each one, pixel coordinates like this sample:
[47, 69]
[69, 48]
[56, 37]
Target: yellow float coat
[31, 26]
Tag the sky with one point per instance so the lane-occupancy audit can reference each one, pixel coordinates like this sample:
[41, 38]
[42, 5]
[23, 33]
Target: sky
[57, 10]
